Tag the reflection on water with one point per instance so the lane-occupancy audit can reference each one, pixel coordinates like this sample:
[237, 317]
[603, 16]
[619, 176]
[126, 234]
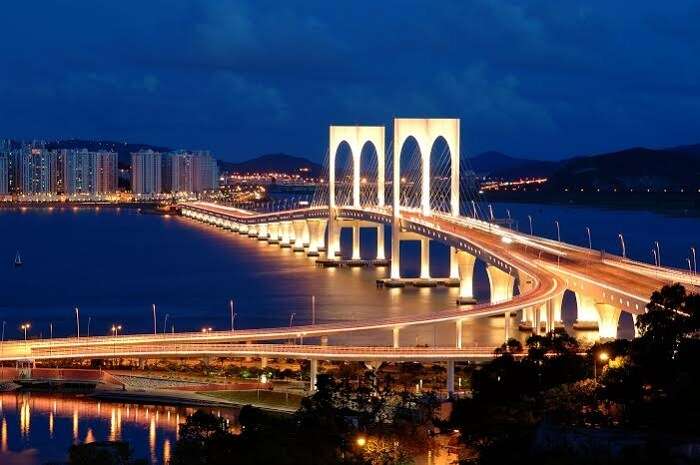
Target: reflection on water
[36, 428]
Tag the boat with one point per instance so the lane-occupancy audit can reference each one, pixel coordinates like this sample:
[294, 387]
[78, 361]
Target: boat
[18, 260]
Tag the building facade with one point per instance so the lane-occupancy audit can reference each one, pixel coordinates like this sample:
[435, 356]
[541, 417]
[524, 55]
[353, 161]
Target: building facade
[146, 173]
[192, 172]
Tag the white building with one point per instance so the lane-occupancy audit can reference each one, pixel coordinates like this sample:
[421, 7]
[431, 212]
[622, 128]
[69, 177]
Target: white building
[146, 172]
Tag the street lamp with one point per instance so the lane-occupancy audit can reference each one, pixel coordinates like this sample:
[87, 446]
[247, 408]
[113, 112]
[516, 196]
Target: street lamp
[529, 217]
[695, 263]
[590, 243]
[556, 222]
[291, 318]
[233, 314]
[207, 329]
[313, 310]
[658, 253]
[155, 329]
[77, 320]
[604, 357]
[25, 327]
[656, 257]
[165, 323]
[622, 242]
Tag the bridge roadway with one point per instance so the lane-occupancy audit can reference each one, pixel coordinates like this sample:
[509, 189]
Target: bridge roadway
[550, 266]
[294, 351]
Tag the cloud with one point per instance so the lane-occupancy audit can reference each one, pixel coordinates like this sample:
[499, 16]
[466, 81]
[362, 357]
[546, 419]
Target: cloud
[241, 77]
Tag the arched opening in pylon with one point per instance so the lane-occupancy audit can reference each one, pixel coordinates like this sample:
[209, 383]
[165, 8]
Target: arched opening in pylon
[440, 176]
[410, 174]
[369, 172]
[343, 174]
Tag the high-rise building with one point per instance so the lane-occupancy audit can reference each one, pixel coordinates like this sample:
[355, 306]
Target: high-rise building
[37, 168]
[146, 175]
[78, 171]
[192, 171]
[4, 185]
[106, 167]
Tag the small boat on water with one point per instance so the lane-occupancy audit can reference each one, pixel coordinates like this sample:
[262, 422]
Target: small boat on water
[18, 260]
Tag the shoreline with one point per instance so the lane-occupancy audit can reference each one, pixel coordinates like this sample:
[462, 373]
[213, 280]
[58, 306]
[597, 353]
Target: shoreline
[674, 204]
[176, 398]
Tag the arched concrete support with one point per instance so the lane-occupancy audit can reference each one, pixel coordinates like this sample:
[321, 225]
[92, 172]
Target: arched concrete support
[454, 264]
[317, 234]
[356, 137]
[333, 243]
[396, 334]
[501, 284]
[299, 226]
[306, 235]
[263, 362]
[274, 232]
[381, 253]
[450, 377]
[586, 313]
[395, 270]
[286, 234]
[465, 267]
[313, 374]
[608, 318]
[262, 231]
[356, 240]
[425, 258]
[426, 131]
[634, 324]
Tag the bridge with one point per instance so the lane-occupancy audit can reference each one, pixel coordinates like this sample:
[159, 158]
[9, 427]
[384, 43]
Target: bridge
[528, 275]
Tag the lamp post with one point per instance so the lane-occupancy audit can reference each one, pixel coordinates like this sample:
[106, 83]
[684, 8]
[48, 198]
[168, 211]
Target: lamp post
[155, 329]
[622, 242]
[2, 342]
[77, 320]
[529, 217]
[658, 253]
[603, 356]
[25, 327]
[291, 319]
[165, 323]
[313, 310]
[656, 257]
[233, 314]
[695, 263]
[590, 243]
[491, 212]
[88, 328]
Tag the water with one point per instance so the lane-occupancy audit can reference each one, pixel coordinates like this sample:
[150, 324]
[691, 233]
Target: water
[38, 428]
[114, 264]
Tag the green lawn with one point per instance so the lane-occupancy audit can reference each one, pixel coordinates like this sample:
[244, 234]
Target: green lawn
[259, 398]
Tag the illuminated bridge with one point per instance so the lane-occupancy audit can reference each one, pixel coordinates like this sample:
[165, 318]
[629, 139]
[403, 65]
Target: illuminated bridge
[423, 205]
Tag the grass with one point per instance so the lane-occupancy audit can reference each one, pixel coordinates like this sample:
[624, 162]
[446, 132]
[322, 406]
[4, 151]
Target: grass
[259, 398]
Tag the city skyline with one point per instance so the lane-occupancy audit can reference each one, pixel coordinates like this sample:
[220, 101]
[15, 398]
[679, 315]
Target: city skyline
[531, 80]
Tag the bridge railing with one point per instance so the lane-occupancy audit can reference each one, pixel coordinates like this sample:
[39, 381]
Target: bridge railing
[671, 275]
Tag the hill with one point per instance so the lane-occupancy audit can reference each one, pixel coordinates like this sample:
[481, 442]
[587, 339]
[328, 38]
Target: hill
[278, 162]
[635, 168]
[500, 165]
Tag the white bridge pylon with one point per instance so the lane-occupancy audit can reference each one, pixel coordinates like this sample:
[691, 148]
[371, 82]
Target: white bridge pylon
[425, 131]
[356, 137]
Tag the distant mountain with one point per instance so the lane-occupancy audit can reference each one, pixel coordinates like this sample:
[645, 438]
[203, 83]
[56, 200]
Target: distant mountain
[500, 165]
[635, 168]
[279, 162]
[123, 149]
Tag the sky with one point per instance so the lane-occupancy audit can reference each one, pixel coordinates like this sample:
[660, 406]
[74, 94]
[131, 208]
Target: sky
[540, 78]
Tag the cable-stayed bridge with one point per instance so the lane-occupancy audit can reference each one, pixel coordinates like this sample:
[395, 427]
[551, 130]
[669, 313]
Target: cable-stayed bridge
[414, 188]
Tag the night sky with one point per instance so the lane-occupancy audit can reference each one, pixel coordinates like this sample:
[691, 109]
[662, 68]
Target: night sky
[541, 78]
